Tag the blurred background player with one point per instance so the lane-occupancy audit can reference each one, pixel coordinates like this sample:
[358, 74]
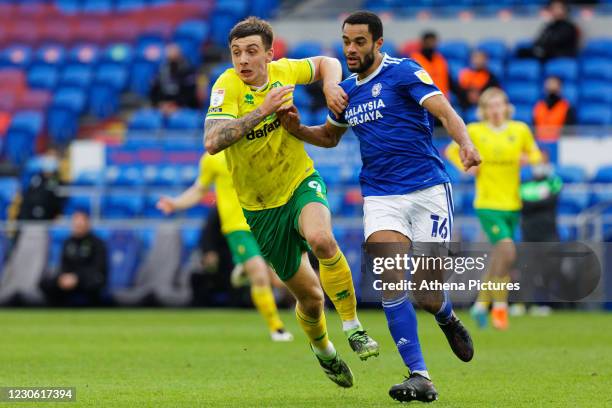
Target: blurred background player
[281, 193]
[402, 202]
[244, 248]
[504, 145]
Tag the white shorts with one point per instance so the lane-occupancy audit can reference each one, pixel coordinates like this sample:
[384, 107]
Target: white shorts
[423, 216]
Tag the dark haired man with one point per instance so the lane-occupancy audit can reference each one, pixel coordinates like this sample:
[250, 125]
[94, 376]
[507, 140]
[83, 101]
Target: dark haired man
[282, 196]
[407, 196]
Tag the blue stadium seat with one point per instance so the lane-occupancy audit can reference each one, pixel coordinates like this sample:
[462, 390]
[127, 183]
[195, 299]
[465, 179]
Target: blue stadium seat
[564, 68]
[390, 47]
[598, 47]
[238, 8]
[188, 174]
[595, 114]
[103, 100]
[146, 119]
[495, 48]
[186, 119]
[43, 77]
[84, 54]
[119, 53]
[9, 186]
[456, 50]
[602, 195]
[79, 76]
[571, 174]
[141, 76]
[28, 121]
[69, 6]
[469, 233]
[78, 202]
[162, 176]
[127, 176]
[603, 175]
[573, 201]
[191, 237]
[114, 75]
[124, 252]
[496, 67]
[597, 68]
[224, 21]
[524, 113]
[97, 6]
[523, 70]
[58, 234]
[122, 205]
[129, 5]
[18, 56]
[67, 105]
[264, 8]
[570, 92]
[50, 54]
[306, 49]
[523, 92]
[595, 92]
[194, 30]
[88, 178]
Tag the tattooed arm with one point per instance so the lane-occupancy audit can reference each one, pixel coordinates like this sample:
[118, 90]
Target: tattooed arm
[220, 134]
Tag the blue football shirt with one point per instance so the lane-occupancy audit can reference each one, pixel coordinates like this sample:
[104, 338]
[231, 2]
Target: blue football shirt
[394, 130]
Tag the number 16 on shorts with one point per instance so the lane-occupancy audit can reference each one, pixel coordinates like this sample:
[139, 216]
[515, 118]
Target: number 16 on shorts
[439, 226]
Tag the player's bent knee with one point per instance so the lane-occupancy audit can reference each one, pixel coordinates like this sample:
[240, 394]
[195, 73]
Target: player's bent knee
[323, 244]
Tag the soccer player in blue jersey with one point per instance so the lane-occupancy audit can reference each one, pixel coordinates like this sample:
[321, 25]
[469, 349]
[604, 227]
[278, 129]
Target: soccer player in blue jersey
[407, 195]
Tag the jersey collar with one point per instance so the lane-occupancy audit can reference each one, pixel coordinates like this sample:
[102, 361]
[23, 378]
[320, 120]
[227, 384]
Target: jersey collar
[373, 74]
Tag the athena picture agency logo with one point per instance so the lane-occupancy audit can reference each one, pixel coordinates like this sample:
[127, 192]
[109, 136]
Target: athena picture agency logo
[542, 272]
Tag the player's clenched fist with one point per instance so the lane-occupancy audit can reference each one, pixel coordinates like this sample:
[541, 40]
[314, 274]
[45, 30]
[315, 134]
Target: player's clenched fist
[166, 205]
[276, 98]
[290, 119]
[469, 156]
[336, 98]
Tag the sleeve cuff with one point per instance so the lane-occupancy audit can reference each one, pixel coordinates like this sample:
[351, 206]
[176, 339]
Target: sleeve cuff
[336, 123]
[428, 96]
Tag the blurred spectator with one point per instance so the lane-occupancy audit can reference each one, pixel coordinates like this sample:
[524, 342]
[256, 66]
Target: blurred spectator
[474, 80]
[175, 85]
[558, 39]
[83, 268]
[553, 112]
[433, 62]
[41, 199]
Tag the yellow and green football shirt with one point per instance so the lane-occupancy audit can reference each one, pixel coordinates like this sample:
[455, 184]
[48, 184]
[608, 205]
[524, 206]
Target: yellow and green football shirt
[268, 163]
[213, 170]
[501, 150]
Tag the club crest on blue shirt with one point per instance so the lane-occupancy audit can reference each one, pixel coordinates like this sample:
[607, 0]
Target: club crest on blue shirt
[376, 89]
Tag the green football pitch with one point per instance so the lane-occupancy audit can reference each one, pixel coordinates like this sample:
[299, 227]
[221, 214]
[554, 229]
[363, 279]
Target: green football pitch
[201, 358]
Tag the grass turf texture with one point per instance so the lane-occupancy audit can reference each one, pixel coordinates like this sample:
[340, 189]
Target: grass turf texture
[195, 358]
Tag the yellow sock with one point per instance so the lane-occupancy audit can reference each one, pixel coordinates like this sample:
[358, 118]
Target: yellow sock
[500, 296]
[316, 331]
[337, 282]
[484, 296]
[263, 299]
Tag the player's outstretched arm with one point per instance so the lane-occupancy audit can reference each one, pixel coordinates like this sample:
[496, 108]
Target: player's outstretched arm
[219, 134]
[438, 105]
[326, 135]
[329, 70]
[185, 200]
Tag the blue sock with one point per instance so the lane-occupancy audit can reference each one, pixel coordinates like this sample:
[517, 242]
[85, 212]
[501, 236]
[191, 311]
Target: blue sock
[402, 322]
[446, 310]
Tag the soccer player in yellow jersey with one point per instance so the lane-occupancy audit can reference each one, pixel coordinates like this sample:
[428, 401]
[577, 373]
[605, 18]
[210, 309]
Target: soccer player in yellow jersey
[244, 249]
[503, 145]
[282, 195]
